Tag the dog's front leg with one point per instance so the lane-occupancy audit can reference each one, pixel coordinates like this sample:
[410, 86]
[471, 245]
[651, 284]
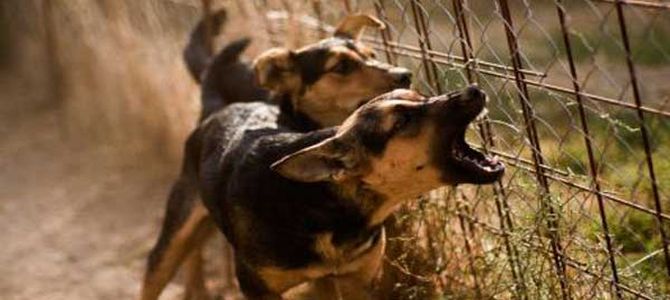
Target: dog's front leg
[252, 286]
[195, 277]
[179, 238]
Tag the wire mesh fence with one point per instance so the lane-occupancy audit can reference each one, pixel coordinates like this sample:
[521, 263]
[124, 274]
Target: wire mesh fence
[578, 111]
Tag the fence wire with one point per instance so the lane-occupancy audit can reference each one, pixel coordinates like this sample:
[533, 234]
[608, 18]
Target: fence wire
[579, 111]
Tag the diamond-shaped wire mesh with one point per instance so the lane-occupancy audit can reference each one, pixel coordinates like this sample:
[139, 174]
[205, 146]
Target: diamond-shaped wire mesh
[579, 110]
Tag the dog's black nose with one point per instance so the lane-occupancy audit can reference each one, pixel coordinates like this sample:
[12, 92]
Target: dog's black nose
[471, 101]
[473, 92]
[402, 77]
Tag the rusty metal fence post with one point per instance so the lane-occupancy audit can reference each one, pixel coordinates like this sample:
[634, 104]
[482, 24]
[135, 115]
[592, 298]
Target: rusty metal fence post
[502, 207]
[643, 130]
[609, 268]
[589, 148]
[429, 66]
[538, 160]
[386, 32]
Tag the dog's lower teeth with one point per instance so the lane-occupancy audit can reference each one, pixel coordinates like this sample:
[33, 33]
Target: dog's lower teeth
[457, 154]
[484, 164]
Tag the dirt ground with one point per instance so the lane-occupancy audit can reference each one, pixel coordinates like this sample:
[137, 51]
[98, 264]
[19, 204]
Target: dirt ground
[75, 224]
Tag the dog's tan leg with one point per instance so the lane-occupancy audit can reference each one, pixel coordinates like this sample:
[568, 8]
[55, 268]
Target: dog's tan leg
[334, 288]
[229, 279]
[340, 288]
[176, 242]
[195, 273]
[323, 289]
[251, 284]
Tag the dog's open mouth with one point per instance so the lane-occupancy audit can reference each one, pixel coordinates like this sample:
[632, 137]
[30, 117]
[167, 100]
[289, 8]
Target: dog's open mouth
[484, 167]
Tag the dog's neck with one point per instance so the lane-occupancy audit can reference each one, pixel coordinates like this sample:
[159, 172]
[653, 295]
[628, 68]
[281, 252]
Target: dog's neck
[375, 206]
[366, 234]
[291, 117]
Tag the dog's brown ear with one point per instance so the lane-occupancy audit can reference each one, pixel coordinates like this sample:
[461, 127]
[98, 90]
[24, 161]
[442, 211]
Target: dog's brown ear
[275, 69]
[352, 26]
[325, 161]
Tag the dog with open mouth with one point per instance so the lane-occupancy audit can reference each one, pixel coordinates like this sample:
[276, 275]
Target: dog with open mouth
[313, 87]
[309, 206]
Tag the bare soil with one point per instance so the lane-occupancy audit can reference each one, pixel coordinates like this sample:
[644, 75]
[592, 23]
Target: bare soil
[76, 222]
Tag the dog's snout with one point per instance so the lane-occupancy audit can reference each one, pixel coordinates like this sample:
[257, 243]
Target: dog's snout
[473, 98]
[472, 101]
[401, 76]
[473, 93]
[464, 105]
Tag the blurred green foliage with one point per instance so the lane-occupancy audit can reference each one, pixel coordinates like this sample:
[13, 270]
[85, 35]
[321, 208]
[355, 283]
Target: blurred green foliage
[650, 47]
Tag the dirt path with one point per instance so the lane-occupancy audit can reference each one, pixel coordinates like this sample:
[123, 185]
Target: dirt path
[74, 225]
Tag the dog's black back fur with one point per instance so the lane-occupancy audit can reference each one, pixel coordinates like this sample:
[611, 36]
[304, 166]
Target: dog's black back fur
[280, 217]
[230, 79]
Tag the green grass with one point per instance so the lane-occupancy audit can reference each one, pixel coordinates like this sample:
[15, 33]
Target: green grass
[636, 232]
[650, 47]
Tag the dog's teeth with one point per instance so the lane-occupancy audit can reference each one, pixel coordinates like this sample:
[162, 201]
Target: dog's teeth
[457, 154]
[480, 117]
[495, 159]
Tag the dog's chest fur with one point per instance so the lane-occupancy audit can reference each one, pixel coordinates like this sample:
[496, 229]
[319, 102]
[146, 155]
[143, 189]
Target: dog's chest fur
[273, 221]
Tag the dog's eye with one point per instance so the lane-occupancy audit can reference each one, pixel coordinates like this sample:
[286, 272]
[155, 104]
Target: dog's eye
[402, 120]
[344, 67]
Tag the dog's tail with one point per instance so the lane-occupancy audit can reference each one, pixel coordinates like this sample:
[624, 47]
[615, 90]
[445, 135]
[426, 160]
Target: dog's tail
[228, 79]
[197, 53]
[230, 53]
[214, 87]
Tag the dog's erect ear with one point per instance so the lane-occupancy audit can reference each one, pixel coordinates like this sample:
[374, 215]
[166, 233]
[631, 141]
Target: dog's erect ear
[325, 161]
[352, 26]
[276, 70]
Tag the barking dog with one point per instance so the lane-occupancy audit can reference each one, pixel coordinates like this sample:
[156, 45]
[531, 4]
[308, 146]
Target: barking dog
[299, 207]
[315, 86]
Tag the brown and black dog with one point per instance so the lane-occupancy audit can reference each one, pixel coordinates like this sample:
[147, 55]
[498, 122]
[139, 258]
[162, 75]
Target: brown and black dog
[315, 86]
[300, 207]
